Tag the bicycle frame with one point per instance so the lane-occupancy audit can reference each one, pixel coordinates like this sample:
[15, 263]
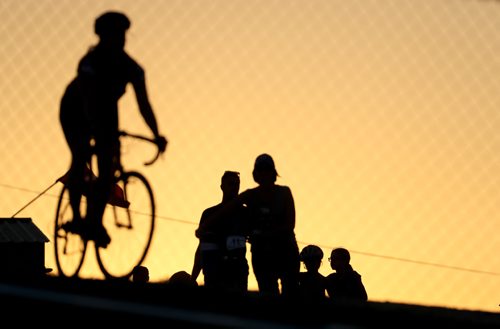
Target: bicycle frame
[125, 188]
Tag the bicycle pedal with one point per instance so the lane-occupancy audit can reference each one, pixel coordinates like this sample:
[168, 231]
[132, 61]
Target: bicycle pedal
[102, 243]
[72, 227]
[99, 235]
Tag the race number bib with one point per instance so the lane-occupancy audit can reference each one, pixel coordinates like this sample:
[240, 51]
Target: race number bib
[235, 242]
[208, 246]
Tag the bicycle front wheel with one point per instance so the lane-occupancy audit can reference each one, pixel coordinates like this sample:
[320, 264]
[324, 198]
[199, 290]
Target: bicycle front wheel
[69, 247]
[129, 221]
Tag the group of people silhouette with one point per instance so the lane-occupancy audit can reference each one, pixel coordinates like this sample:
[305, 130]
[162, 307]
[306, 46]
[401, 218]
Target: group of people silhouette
[263, 216]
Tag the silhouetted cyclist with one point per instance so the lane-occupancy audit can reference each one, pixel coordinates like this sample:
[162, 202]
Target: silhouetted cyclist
[89, 114]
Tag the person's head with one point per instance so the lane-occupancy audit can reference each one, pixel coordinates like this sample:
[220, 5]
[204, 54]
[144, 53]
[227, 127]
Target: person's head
[140, 274]
[230, 184]
[311, 256]
[264, 170]
[182, 279]
[339, 258]
[111, 27]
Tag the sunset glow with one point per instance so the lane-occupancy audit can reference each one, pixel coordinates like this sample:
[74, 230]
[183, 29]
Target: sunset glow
[383, 117]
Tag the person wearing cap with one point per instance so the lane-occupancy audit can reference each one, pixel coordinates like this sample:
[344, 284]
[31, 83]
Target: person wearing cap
[274, 249]
[89, 111]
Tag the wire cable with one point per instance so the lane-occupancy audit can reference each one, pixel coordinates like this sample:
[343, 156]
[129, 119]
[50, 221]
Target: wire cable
[187, 222]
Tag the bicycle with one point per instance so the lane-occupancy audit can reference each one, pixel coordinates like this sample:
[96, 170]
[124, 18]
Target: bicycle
[129, 219]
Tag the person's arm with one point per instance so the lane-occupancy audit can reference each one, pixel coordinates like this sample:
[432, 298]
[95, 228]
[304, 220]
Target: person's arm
[288, 225]
[289, 209]
[362, 291]
[147, 111]
[195, 272]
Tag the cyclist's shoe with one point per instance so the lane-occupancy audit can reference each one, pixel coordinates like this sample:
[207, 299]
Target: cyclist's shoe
[102, 238]
[98, 234]
[75, 226]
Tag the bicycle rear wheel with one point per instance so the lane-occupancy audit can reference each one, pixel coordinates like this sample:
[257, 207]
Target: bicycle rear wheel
[130, 222]
[69, 247]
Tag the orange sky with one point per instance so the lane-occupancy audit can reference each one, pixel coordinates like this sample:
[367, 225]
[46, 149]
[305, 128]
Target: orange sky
[382, 117]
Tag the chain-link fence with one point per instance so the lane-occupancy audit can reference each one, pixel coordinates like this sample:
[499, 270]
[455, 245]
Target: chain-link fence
[382, 116]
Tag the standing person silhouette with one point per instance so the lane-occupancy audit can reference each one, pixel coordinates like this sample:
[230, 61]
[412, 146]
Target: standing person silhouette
[221, 253]
[89, 114]
[275, 253]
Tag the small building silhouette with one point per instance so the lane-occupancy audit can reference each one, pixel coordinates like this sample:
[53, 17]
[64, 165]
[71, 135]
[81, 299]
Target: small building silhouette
[22, 249]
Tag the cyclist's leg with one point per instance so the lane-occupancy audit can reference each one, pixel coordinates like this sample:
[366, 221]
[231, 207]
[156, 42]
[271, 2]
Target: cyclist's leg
[77, 137]
[76, 183]
[107, 150]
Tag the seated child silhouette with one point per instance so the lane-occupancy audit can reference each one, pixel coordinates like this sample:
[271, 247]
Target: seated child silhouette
[311, 282]
[345, 283]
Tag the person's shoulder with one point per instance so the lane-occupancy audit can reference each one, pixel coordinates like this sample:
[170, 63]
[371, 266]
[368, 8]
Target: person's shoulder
[250, 190]
[126, 56]
[332, 276]
[210, 210]
[248, 194]
[132, 64]
[356, 275]
[86, 63]
[283, 188]
[284, 191]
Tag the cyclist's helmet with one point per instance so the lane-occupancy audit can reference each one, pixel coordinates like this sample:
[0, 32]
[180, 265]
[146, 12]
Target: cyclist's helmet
[110, 23]
[311, 252]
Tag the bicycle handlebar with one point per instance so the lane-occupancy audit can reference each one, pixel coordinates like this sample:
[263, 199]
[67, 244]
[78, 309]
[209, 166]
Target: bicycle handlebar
[144, 138]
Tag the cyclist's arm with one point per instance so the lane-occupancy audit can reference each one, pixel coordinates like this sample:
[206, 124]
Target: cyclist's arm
[146, 110]
[144, 104]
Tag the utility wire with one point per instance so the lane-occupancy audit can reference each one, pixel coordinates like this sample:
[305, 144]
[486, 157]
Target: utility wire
[39, 194]
[32, 200]
[413, 261]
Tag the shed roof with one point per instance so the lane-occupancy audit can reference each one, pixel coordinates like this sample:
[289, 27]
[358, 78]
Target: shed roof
[20, 230]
